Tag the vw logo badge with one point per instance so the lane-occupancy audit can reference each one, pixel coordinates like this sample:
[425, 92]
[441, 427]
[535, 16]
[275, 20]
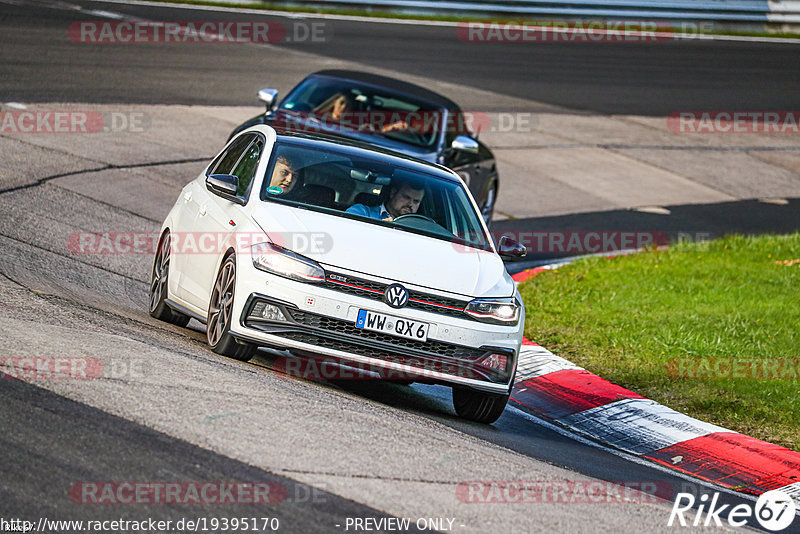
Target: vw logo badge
[396, 296]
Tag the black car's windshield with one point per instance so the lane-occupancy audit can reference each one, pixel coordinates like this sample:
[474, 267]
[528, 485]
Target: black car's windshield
[322, 103]
[373, 190]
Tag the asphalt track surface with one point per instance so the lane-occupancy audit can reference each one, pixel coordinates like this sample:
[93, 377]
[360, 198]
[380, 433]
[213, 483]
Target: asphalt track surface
[623, 78]
[378, 438]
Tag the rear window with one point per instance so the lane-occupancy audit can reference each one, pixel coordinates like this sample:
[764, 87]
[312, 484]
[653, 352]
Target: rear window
[339, 105]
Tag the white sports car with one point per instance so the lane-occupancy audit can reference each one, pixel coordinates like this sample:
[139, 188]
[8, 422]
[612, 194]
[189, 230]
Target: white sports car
[333, 249]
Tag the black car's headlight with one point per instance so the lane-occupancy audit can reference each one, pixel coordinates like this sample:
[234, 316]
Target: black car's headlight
[495, 310]
[278, 260]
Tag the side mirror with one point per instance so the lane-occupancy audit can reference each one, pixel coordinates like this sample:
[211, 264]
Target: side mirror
[225, 186]
[510, 249]
[465, 144]
[268, 97]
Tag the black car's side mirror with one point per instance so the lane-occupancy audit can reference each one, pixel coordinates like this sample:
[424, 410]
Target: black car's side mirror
[268, 97]
[465, 143]
[225, 186]
[511, 249]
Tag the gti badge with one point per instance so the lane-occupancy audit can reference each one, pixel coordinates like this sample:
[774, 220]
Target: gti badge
[396, 296]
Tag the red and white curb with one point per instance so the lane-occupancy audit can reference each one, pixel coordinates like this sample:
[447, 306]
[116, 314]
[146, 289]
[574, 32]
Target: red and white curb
[560, 392]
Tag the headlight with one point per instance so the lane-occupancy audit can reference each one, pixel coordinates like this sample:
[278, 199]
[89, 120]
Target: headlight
[277, 260]
[499, 311]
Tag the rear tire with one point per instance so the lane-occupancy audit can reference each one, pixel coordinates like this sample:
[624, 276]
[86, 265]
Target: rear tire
[220, 316]
[479, 406]
[159, 280]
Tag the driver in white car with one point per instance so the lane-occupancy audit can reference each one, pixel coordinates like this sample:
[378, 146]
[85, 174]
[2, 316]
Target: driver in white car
[404, 199]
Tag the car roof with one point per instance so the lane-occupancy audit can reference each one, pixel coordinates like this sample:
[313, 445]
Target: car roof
[393, 84]
[362, 149]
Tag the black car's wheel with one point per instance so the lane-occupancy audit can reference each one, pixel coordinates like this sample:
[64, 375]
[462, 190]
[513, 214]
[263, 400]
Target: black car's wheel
[487, 206]
[220, 315]
[158, 286]
[478, 406]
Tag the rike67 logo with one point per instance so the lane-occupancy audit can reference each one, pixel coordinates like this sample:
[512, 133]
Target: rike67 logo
[774, 510]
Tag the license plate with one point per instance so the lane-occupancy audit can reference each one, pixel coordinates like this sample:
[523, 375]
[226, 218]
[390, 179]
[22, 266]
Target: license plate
[379, 322]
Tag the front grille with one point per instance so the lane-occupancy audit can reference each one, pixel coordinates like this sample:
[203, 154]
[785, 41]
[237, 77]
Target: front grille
[417, 300]
[462, 370]
[345, 327]
[343, 335]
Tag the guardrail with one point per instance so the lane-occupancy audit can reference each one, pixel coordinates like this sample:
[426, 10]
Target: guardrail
[735, 11]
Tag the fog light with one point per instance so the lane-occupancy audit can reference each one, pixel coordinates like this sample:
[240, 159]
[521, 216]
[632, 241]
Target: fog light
[495, 361]
[267, 312]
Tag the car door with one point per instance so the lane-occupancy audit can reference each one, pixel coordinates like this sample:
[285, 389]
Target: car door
[477, 170]
[217, 218]
[183, 228]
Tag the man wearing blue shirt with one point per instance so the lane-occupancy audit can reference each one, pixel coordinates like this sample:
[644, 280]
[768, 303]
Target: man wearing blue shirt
[404, 198]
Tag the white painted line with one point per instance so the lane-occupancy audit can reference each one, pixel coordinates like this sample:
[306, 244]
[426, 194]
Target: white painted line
[538, 361]
[776, 201]
[416, 22]
[16, 105]
[793, 491]
[104, 14]
[567, 433]
[639, 426]
[655, 210]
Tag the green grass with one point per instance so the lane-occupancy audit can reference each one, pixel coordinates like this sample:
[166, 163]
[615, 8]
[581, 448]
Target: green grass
[626, 318]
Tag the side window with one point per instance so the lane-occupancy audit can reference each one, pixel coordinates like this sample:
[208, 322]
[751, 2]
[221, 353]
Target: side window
[225, 161]
[246, 168]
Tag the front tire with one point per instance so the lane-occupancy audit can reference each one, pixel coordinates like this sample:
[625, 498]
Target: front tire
[220, 315]
[159, 280]
[479, 406]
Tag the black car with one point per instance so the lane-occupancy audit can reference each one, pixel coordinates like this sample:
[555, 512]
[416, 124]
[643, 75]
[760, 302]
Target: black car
[389, 113]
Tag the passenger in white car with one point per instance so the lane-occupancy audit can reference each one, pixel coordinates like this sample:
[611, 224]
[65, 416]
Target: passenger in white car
[283, 175]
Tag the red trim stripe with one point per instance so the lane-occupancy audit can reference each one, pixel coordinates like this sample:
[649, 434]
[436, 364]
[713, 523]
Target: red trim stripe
[331, 280]
[563, 393]
[353, 285]
[733, 460]
[437, 305]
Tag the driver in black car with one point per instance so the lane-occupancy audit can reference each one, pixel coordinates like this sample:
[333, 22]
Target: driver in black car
[404, 198]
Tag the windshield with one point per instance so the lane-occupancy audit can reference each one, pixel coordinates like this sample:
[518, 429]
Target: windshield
[339, 105]
[373, 191]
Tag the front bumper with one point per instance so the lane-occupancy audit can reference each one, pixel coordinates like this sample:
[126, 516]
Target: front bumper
[320, 321]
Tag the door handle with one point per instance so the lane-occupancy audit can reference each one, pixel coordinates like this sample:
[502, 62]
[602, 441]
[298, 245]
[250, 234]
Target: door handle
[187, 196]
[203, 210]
